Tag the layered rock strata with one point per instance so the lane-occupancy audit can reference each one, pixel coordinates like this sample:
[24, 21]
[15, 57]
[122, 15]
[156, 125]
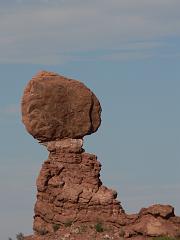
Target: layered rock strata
[70, 193]
[70, 190]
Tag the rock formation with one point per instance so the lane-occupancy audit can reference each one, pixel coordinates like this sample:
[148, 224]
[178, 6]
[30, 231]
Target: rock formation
[72, 202]
[156, 220]
[69, 189]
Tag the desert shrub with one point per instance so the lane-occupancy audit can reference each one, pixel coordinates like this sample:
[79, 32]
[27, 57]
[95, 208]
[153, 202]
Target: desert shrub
[56, 227]
[121, 232]
[99, 227]
[19, 236]
[68, 223]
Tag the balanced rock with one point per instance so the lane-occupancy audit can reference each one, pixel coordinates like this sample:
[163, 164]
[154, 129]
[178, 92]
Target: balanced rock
[72, 202]
[55, 107]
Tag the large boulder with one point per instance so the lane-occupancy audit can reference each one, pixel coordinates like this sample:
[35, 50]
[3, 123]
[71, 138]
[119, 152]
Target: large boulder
[55, 107]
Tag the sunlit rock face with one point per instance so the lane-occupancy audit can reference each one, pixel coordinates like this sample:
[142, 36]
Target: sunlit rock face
[55, 107]
[72, 202]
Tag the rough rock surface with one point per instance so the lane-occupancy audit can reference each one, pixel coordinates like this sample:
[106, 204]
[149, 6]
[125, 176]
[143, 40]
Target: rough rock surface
[70, 191]
[156, 220]
[72, 203]
[55, 107]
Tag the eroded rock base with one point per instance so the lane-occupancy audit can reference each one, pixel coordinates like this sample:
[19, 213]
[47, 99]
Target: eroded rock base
[72, 202]
[70, 190]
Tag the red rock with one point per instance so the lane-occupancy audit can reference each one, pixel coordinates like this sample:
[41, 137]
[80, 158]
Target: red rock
[165, 211]
[175, 219]
[55, 107]
[59, 112]
[69, 189]
[148, 225]
[156, 220]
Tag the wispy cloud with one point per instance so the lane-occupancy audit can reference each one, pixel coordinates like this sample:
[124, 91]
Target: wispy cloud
[50, 32]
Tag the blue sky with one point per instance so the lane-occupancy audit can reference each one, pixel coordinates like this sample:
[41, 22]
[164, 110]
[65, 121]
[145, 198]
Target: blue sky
[128, 53]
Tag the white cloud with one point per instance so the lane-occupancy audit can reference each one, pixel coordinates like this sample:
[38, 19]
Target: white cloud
[51, 31]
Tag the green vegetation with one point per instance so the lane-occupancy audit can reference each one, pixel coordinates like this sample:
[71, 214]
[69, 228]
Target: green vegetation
[121, 232]
[19, 236]
[68, 223]
[99, 227]
[56, 227]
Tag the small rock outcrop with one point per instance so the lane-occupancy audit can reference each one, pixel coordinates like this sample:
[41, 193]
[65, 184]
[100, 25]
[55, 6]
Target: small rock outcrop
[72, 202]
[154, 221]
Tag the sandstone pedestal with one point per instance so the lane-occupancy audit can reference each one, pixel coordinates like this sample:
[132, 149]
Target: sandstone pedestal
[70, 190]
